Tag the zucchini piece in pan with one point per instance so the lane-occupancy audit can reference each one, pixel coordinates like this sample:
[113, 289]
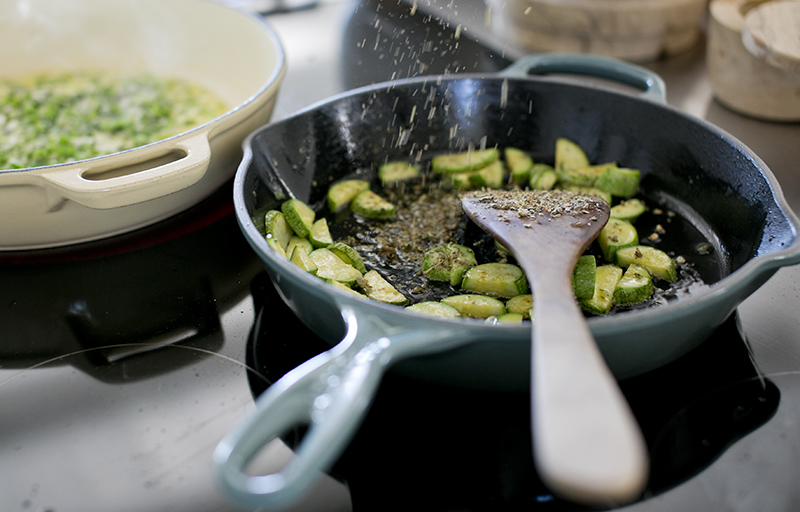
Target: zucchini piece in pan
[277, 230]
[341, 193]
[320, 234]
[397, 171]
[519, 164]
[470, 160]
[615, 235]
[629, 210]
[605, 283]
[521, 304]
[546, 179]
[448, 263]
[300, 257]
[296, 241]
[370, 204]
[299, 215]
[634, 287]
[348, 255]
[377, 288]
[582, 176]
[656, 261]
[492, 176]
[510, 318]
[583, 277]
[569, 156]
[618, 181]
[476, 306]
[437, 309]
[331, 267]
[504, 280]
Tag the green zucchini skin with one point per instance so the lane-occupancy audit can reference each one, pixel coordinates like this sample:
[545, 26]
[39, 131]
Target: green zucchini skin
[504, 280]
[603, 298]
[474, 305]
[635, 286]
[299, 215]
[370, 204]
[656, 261]
[397, 171]
[340, 194]
[433, 308]
[448, 263]
[466, 161]
[615, 235]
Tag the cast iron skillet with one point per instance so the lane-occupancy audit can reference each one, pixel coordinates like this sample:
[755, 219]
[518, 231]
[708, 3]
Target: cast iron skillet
[724, 193]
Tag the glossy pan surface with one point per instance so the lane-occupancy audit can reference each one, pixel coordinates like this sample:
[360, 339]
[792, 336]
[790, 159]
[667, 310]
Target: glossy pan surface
[726, 197]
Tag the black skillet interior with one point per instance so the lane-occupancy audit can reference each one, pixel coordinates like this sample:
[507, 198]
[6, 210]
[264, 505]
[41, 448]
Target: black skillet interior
[713, 183]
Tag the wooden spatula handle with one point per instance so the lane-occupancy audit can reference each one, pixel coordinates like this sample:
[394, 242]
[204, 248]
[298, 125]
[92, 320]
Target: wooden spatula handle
[587, 443]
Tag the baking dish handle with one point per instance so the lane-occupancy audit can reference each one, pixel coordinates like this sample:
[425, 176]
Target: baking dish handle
[331, 393]
[96, 184]
[651, 85]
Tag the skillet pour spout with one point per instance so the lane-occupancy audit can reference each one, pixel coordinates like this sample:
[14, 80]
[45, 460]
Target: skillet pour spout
[725, 197]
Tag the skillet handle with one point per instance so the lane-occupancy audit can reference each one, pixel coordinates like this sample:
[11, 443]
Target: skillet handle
[651, 85]
[331, 393]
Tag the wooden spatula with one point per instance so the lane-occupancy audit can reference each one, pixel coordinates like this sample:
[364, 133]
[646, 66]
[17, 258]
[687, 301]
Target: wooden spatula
[587, 444]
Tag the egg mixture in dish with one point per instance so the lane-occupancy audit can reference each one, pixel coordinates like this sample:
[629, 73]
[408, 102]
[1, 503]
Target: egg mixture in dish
[59, 118]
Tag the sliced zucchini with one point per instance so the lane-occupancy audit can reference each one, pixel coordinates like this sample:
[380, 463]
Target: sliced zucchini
[569, 156]
[348, 255]
[370, 204]
[492, 176]
[536, 172]
[470, 160]
[394, 172]
[437, 309]
[330, 266]
[296, 241]
[581, 176]
[275, 246]
[504, 280]
[277, 230]
[377, 288]
[519, 164]
[461, 180]
[629, 210]
[300, 257]
[634, 287]
[606, 282]
[521, 304]
[320, 234]
[618, 181]
[583, 277]
[476, 306]
[615, 235]
[448, 263]
[510, 318]
[345, 288]
[299, 215]
[340, 194]
[656, 261]
[546, 180]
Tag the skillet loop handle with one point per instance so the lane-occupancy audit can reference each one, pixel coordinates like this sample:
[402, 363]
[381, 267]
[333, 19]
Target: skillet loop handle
[331, 393]
[651, 85]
